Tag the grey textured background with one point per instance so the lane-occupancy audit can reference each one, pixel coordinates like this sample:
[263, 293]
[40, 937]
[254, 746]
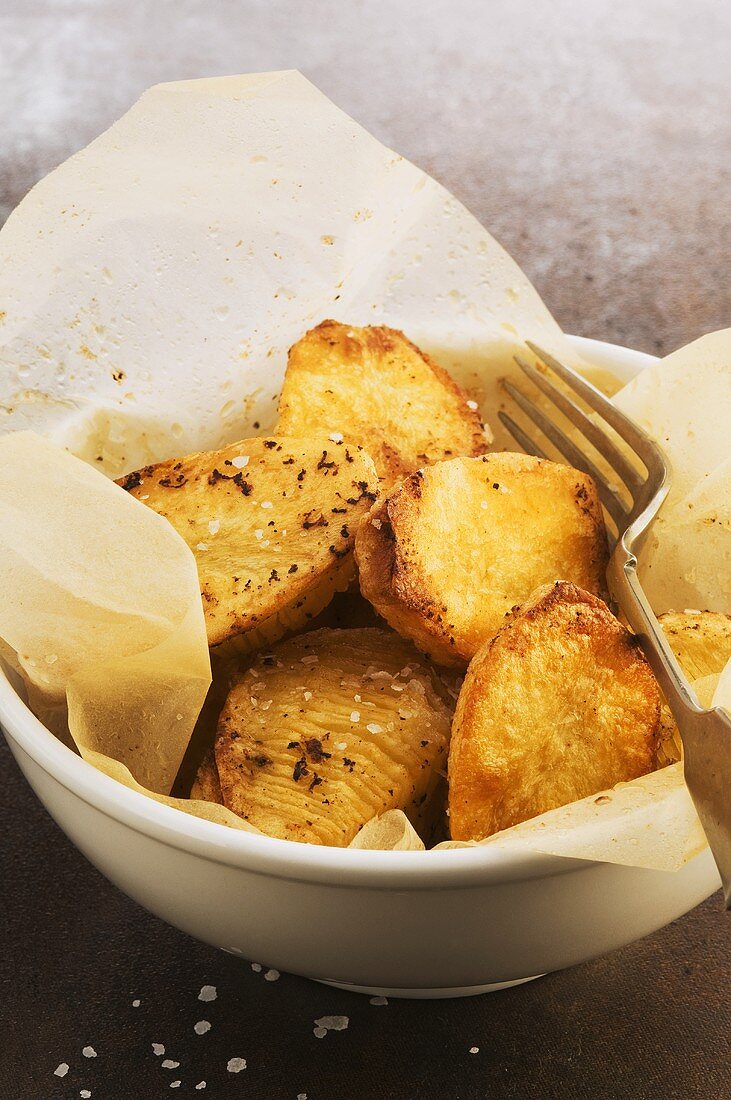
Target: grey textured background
[592, 138]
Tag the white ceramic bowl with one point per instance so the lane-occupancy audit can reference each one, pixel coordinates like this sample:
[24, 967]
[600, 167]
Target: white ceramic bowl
[413, 924]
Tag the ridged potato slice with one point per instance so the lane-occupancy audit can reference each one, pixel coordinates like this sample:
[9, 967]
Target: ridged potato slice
[452, 549]
[378, 389]
[329, 729]
[272, 525]
[559, 705]
[206, 785]
[701, 641]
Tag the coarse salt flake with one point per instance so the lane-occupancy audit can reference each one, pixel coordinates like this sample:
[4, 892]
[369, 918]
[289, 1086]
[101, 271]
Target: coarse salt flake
[375, 522]
[158, 1049]
[331, 1023]
[136, 1003]
[201, 1027]
[170, 1064]
[207, 993]
[235, 1065]
[175, 1084]
[89, 1052]
[214, 526]
[379, 1000]
[474, 1050]
[483, 505]
[336, 437]
[472, 405]
[340, 745]
[311, 660]
[256, 967]
[308, 696]
[201, 1085]
[201, 546]
[62, 1070]
[272, 976]
[373, 727]
[319, 1032]
[355, 716]
[85, 1094]
[267, 504]
[240, 461]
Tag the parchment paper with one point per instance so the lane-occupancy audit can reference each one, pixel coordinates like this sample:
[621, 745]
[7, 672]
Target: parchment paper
[684, 403]
[101, 608]
[152, 284]
[149, 289]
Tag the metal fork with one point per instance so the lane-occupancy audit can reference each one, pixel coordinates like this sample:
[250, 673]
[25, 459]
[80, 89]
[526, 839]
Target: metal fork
[706, 734]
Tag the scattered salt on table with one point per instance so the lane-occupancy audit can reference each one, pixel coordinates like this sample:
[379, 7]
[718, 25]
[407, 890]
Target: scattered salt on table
[330, 1023]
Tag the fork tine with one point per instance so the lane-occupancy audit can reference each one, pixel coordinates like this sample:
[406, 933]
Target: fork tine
[611, 453]
[521, 437]
[638, 440]
[571, 453]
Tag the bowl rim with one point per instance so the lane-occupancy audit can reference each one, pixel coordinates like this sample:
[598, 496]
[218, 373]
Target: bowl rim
[270, 856]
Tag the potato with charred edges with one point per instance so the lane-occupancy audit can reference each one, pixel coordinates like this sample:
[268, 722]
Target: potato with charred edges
[701, 641]
[329, 729]
[271, 523]
[206, 785]
[452, 549]
[376, 388]
[559, 705]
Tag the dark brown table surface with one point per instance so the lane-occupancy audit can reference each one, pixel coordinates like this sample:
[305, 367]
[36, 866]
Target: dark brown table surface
[592, 138]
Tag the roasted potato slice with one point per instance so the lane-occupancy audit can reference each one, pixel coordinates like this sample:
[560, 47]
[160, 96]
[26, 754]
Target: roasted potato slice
[559, 705]
[206, 785]
[272, 525]
[329, 729]
[447, 554]
[701, 641]
[376, 388]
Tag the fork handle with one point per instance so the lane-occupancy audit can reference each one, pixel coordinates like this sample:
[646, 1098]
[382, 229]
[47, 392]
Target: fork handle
[706, 735]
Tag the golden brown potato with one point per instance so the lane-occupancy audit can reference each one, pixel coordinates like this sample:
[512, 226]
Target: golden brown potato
[272, 525]
[329, 729]
[559, 705]
[376, 388]
[206, 785]
[447, 554]
[701, 641]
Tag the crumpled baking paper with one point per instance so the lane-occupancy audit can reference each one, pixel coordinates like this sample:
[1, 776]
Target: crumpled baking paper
[149, 290]
[684, 403]
[101, 610]
[151, 285]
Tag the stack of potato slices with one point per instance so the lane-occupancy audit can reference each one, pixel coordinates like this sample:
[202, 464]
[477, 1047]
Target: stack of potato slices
[392, 607]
